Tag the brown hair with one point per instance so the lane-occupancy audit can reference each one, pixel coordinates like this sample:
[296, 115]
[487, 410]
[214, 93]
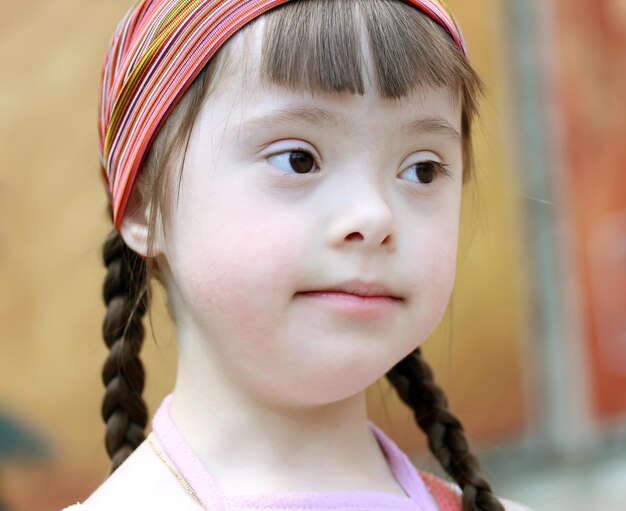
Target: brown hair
[409, 51]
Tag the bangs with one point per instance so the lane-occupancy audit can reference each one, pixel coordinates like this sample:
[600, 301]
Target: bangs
[315, 46]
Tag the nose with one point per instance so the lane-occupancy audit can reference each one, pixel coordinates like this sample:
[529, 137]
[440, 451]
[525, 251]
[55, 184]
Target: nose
[364, 216]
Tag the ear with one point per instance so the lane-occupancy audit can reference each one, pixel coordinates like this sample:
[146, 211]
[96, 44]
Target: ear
[134, 226]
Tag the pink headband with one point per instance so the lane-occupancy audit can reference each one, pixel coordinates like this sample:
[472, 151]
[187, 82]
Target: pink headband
[158, 49]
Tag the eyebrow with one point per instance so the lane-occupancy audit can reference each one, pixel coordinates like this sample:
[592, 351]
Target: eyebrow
[307, 115]
[304, 115]
[435, 125]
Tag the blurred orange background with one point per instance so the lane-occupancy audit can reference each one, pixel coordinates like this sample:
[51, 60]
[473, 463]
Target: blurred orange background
[487, 354]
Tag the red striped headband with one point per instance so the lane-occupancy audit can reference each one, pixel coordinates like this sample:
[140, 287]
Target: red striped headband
[158, 49]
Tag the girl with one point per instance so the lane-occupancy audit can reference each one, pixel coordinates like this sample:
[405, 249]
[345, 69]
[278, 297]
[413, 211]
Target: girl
[291, 173]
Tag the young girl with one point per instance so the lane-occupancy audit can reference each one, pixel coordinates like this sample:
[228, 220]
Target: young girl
[291, 173]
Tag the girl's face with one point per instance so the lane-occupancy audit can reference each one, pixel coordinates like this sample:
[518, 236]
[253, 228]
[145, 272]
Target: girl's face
[284, 193]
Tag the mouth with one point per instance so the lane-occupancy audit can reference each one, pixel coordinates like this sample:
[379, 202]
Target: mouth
[359, 289]
[355, 298]
[339, 294]
[351, 304]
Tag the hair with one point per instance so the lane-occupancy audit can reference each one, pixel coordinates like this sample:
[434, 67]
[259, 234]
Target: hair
[327, 59]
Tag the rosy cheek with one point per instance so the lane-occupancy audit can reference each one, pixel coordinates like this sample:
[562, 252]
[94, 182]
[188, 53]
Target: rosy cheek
[233, 258]
[443, 272]
[434, 264]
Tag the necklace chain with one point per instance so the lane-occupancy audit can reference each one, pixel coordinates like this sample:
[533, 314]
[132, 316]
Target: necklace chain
[172, 468]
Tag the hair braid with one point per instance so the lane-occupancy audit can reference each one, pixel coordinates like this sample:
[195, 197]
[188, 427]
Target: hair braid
[126, 297]
[413, 380]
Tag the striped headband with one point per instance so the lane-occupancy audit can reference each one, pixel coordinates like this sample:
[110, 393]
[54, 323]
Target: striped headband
[157, 50]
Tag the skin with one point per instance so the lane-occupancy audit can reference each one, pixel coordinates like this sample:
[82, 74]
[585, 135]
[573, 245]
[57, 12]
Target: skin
[249, 233]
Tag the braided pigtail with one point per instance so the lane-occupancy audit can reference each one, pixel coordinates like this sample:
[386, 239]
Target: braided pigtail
[126, 297]
[413, 380]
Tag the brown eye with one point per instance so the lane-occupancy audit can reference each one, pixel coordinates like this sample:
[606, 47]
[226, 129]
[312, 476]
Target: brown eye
[302, 162]
[298, 161]
[425, 171]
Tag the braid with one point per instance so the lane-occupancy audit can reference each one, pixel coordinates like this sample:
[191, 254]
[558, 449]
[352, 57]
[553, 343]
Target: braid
[413, 380]
[126, 297]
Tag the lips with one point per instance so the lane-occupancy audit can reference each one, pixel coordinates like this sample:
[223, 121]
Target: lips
[360, 288]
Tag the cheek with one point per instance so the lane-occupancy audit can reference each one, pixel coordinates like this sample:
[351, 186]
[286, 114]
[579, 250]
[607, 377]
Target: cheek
[441, 272]
[432, 269]
[235, 264]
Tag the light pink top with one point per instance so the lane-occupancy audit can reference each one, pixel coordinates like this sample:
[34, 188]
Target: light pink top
[211, 496]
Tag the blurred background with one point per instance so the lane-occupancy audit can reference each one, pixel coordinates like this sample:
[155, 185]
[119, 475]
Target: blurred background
[532, 351]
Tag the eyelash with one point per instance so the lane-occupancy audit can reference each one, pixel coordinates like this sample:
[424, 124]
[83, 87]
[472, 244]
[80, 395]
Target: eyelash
[442, 168]
[295, 150]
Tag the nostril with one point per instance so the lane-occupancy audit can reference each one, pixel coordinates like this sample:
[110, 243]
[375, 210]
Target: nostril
[353, 235]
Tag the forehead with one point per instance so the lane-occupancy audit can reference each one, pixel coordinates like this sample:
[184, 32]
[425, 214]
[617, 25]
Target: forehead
[246, 95]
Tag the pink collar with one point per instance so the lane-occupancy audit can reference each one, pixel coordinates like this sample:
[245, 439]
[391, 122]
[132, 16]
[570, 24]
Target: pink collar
[212, 497]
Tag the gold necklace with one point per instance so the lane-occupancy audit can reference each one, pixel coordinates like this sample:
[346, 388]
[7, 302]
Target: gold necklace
[152, 440]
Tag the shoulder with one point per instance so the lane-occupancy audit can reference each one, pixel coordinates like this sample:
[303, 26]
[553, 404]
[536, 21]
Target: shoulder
[448, 494]
[143, 481]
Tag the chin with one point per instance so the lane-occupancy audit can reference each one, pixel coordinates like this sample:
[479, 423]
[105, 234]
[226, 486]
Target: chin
[324, 387]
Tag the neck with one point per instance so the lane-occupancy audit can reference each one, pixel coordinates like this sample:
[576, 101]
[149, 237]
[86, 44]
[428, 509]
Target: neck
[253, 446]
